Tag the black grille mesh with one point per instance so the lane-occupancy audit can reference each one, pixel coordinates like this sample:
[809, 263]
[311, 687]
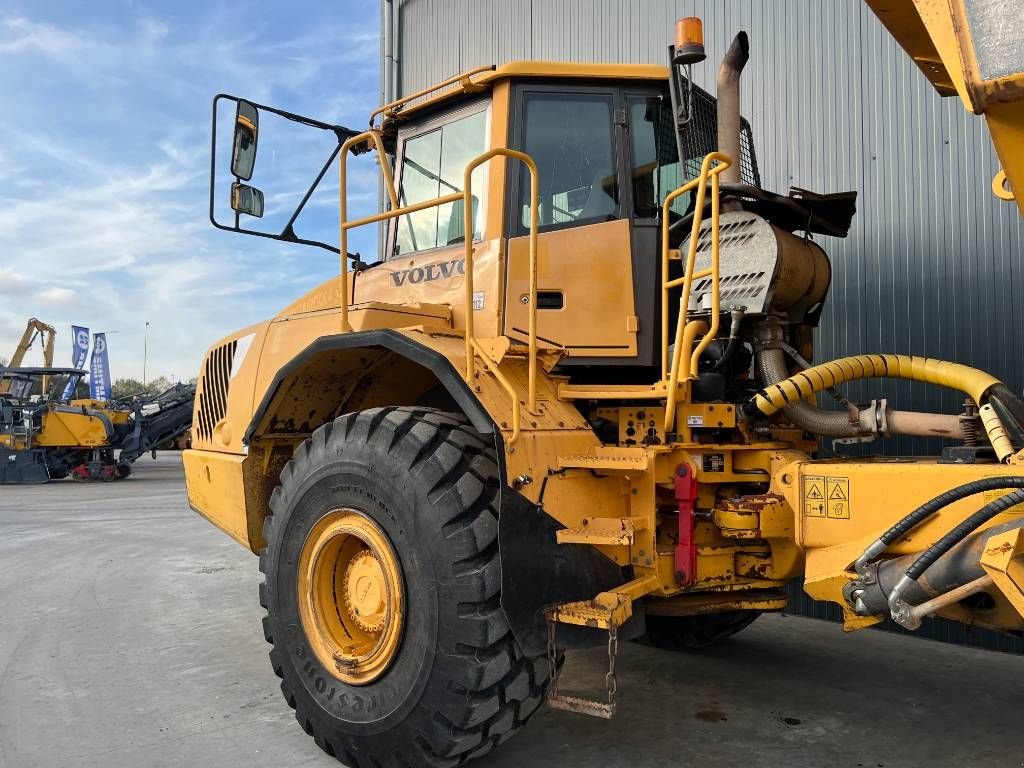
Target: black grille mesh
[213, 388]
[700, 136]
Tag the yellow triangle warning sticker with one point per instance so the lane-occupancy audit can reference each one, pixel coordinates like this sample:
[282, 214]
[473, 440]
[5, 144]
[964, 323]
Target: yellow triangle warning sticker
[838, 489]
[814, 493]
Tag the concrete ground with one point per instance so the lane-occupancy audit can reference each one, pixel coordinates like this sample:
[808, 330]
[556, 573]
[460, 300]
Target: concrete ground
[130, 636]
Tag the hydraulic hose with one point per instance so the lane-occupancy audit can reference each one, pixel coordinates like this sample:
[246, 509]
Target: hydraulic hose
[772, 367]
[926, 510]
[901, 611]
[736, 320]
[964, 529]
[774, 372]
[792, 390]
[869, 595]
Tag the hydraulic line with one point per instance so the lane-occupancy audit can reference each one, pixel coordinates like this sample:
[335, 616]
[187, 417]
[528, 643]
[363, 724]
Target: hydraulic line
[903, 613]
[929, 508]
[869, 594]
[960, 532]
[736, 320]
[850, 423]
[793, 390]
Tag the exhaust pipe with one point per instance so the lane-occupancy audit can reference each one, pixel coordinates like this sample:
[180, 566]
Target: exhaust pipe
[729, 104]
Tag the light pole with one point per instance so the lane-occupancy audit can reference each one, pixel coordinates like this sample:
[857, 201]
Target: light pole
[145, 352]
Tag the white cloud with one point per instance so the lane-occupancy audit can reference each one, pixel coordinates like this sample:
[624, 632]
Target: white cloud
[12, 282]
[56, 296]
[20, 35]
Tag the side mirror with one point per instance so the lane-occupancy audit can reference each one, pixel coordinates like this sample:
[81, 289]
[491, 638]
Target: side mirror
[246, 199]
[243, 154]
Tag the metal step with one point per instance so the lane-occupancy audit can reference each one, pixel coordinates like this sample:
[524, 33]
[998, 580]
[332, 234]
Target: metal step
[607, 531]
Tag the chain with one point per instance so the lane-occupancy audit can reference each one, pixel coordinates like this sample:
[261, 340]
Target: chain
[553, 651]
[610, 680]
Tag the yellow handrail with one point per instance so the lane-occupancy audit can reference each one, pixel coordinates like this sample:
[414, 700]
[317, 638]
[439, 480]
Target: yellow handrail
[465, 78]
[366, 137]
[671, 375]
[471, 343]
[473, 347]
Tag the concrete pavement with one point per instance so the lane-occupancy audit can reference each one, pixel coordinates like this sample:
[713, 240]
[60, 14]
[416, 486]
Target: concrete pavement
[130, 636]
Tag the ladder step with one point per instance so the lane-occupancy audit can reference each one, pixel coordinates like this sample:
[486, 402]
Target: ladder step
[609, 610]
[582, 706]
[608, 531]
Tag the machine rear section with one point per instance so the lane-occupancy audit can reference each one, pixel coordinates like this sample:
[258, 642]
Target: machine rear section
[578, 467]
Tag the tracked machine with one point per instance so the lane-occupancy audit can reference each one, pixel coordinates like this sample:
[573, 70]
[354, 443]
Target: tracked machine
[46, 434]
[573, 404]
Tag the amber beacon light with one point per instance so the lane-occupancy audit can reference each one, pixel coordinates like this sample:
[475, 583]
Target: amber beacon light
[689, 48]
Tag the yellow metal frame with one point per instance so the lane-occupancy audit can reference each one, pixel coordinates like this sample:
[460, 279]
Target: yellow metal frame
[472, 343]
[688, 331]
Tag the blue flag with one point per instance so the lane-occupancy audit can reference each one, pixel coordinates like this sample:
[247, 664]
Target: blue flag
[79, 354]
[99, 369]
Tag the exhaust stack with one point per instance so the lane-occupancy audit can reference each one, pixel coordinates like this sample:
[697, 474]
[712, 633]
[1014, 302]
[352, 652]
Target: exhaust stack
[729, 104]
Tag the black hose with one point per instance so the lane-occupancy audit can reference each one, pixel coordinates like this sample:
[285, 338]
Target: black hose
[964, 529]
[730, 348]
[929, 508]
[1010, 400]
[1014, 430]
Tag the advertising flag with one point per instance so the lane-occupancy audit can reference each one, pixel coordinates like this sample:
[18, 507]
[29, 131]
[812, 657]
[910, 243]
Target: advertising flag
[79, 354]
[99, 368]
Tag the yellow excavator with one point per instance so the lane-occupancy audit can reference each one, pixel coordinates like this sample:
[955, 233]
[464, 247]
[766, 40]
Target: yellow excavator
[34, 329]
[576, 401]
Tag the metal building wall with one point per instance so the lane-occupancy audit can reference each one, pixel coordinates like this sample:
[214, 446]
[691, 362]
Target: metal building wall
[931, 266]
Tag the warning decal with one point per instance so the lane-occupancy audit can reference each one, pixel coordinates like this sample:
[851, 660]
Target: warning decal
[990, 496]
[814, 496]
[838, 497]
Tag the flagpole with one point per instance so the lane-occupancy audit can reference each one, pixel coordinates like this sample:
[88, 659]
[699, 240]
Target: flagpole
[145, 351]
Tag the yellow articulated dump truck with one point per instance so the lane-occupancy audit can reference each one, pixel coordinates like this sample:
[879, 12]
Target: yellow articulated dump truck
[574, 404]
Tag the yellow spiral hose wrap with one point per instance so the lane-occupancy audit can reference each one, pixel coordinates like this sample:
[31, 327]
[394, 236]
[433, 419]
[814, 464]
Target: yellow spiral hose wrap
[805, 384]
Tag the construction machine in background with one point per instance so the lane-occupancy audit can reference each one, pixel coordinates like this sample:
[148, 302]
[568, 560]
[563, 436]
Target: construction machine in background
[34, 329]
[44, 436]
[574, 404]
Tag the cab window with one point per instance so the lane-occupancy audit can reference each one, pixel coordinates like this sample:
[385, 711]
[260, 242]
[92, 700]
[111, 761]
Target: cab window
[432, 163]
[655, 158]
[570, 137]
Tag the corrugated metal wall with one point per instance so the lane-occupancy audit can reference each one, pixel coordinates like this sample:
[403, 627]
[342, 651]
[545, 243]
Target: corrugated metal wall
[932, 263]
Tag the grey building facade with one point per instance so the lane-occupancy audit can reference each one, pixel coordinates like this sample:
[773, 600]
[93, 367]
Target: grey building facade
[932, 264]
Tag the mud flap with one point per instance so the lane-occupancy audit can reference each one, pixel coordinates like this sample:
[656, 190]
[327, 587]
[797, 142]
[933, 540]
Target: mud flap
[537, 572]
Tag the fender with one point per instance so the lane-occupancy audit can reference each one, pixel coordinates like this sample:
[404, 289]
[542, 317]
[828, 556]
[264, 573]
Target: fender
[393, 341]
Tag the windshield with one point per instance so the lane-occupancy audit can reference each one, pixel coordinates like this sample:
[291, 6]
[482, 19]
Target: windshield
[432, 166]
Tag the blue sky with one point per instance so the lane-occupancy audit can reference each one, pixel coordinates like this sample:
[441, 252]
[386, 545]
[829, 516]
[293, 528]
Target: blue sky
[104, 165]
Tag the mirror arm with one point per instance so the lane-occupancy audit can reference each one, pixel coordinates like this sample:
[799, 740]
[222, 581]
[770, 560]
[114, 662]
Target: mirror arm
[309, 192]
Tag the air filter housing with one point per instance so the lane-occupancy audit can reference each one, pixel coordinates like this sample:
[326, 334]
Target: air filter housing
[762, 268]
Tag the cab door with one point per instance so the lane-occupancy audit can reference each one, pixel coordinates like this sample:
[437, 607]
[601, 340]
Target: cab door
[585, 275]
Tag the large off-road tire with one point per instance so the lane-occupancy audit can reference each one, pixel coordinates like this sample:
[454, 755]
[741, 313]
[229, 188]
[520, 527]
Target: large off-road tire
[690, 633]
[421, 489]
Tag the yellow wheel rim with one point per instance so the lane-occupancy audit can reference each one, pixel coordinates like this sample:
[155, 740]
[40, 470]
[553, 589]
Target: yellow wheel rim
[350, 596]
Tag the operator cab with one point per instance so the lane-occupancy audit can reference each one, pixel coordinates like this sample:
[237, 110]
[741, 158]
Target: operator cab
[610, 144]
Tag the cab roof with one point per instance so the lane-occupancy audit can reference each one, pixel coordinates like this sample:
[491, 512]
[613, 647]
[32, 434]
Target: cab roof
[482, 78]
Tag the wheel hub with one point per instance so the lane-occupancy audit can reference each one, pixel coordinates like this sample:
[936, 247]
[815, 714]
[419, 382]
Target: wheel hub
[351, 600]
[365, 592]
